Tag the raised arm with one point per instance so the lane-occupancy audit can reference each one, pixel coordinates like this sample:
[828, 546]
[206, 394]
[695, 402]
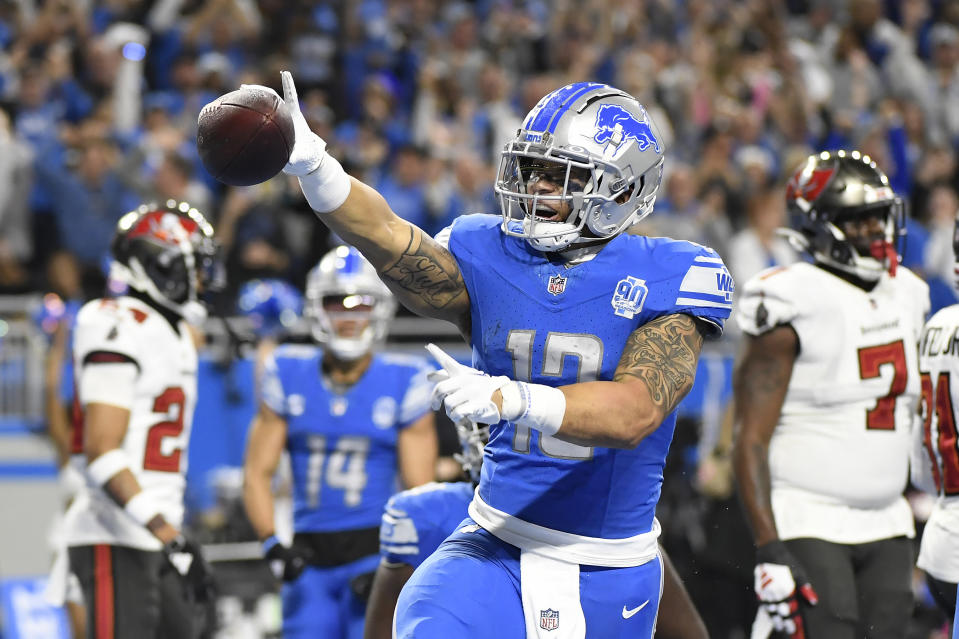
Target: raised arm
[421, 273]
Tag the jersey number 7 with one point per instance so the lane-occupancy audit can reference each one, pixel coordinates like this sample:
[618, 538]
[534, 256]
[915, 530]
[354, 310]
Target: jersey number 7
[871, 360]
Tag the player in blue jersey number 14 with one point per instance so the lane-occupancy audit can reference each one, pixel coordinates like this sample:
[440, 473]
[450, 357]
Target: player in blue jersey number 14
[351, 419]
[584, 340]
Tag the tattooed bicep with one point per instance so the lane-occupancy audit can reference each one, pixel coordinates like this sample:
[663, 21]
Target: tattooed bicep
[427, 279]
[663, 353]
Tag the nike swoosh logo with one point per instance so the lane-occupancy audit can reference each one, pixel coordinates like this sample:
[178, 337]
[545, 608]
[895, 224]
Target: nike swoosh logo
[629, 613]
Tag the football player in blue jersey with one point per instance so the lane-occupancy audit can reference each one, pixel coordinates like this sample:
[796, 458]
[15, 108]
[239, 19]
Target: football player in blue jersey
[351, 419]
[416, 521]
[584, 341]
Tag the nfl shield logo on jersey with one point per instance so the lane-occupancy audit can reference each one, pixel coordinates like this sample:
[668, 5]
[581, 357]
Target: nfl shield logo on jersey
[549, 619]
[557, 284]
[629, 296]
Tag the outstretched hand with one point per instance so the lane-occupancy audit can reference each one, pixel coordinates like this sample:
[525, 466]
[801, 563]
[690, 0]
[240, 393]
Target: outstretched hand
[309, 149]
[465, 393]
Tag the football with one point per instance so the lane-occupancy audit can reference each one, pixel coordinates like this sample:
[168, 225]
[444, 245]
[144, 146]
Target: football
[245, 137]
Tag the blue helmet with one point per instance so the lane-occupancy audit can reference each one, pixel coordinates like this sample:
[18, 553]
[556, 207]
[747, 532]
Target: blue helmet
[272, 305]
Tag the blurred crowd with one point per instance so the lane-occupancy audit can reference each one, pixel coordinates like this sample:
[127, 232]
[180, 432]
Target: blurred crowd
[99, 102]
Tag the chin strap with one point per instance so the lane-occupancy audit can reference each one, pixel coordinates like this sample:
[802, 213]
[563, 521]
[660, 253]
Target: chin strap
[885, 252]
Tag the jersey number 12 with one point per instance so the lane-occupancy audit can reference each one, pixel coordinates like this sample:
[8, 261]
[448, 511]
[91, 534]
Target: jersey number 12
[587, 349]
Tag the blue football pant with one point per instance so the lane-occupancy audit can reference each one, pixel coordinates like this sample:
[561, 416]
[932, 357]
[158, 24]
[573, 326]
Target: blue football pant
[321, 603]
[470, 587]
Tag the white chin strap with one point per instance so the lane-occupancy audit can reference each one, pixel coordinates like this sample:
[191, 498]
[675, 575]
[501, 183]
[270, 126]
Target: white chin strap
[193, 312]
[868, 269]
[549, 236]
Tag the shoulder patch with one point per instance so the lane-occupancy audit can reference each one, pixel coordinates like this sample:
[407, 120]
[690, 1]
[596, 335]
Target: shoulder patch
[707, 284]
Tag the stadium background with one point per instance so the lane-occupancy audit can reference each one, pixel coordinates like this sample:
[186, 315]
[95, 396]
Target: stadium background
[98, 108]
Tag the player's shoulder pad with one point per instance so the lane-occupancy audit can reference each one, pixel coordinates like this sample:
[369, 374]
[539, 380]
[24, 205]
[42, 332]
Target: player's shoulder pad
[109, 326]
[413, 498]
[706, 280]
[409, 516]
[773, 297]
[918, 289]
[406, 360]
[295, 352]
[464, 229]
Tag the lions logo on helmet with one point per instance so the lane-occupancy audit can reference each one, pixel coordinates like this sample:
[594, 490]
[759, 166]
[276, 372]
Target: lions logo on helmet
[167, 252]
[600, 145]
[345, 287]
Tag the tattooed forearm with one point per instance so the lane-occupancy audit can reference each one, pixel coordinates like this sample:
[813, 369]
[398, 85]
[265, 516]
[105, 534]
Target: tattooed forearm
[663, 353]
[427, 273]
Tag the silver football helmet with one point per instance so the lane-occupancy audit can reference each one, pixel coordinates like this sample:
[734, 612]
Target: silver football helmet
[345, 280]
[601, 146]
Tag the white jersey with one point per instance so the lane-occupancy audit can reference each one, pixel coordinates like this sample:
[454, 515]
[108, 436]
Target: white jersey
[839, 456]
[937, 449]
[127, 331]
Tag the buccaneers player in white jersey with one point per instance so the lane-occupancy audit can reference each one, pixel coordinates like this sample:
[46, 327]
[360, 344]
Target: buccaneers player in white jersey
[936, 451]
[825, 394]
[136, 362]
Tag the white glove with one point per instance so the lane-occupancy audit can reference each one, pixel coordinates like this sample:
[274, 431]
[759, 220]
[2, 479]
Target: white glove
[309, 149]
[781, 585]
[465, 392]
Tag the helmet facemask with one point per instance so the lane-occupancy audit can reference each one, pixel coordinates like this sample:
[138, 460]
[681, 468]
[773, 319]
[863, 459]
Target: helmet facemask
[343, 288]
[473, 438]
[832, 194]
[168, 254]
[604, 160]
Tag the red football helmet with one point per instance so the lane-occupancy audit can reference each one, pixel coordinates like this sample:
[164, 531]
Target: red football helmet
[168, 253]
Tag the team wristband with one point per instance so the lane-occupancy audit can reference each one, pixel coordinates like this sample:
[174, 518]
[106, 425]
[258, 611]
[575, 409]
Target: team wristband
[142, 507]
[104, 467]
[327, 187]
[534, 405]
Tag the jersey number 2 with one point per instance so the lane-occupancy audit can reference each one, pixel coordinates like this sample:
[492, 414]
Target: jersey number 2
[871, 360]
[170, 403]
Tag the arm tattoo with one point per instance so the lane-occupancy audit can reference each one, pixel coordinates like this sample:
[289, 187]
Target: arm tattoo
[427, 272]
[663, 353]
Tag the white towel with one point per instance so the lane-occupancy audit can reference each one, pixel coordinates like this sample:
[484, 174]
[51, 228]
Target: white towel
[551, 602]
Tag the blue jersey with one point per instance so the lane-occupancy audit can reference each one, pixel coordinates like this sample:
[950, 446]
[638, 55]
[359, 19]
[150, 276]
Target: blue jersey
[342, 445]
[540, 321]
[416, 521]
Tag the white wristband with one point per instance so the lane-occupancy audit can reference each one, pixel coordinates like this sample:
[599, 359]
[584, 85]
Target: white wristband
[104, 467]
[513, 402]
[327, 187]
[543, 407]
[142, 507]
